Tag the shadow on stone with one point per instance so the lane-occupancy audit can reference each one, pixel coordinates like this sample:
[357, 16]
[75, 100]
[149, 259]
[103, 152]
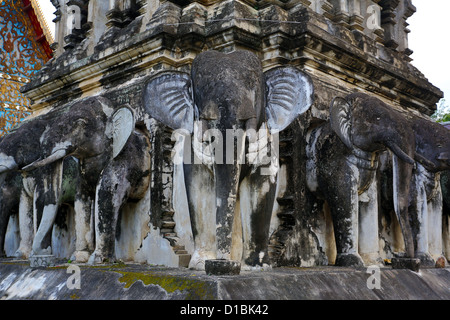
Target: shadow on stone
[222, 267]
[406, 263]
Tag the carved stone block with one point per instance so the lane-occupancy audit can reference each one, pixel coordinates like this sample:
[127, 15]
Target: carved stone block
[42, 261]
[406, 263]
[222, 267]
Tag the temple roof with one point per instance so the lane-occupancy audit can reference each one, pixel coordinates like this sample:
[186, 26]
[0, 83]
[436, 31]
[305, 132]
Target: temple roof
[43, 34]
[25, 41]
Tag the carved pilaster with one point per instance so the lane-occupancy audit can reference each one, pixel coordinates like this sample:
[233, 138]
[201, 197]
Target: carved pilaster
[389, 21]
[55, 45]
[76, 26]
[167, 15]
[147, 8]
[122, 13]
[409, 10]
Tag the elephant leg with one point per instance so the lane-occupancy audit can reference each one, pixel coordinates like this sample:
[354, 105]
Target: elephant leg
[257, 194]
[9, 205]
[446, 235]
[42, 239]
[84, 202]
[112, 191]
[435, 232]
[26, 220]
[402, 174]
[342, 197]
[227, 183]
[420, 211]
[47, 201]
[84, 242]
[201, 197]
[368, 225]
[4, 218]
[5, 213]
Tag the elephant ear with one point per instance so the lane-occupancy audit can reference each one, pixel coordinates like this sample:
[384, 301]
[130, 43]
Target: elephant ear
[290, 93]
[341, 120]
[123, 126]
[168, 99]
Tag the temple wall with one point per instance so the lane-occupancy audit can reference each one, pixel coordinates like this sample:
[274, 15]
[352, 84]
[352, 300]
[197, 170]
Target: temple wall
[346, 46]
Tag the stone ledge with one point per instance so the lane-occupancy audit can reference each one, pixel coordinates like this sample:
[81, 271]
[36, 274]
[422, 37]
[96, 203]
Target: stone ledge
[143, 282]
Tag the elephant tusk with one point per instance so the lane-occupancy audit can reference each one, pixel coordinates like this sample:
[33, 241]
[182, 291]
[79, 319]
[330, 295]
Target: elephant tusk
[59, 154]
[4, 169]
[400, 153]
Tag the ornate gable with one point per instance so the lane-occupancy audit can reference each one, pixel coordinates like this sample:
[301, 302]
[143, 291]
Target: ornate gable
[24, 49]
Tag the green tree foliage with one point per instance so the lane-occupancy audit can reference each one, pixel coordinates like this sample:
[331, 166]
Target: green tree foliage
[442, 113]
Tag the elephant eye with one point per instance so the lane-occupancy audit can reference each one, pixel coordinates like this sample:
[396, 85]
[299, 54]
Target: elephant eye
[81, 122]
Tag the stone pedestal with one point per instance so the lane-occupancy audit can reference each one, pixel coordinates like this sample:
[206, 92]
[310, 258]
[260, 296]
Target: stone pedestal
[406, 263]
[42, 261]
[221, 267]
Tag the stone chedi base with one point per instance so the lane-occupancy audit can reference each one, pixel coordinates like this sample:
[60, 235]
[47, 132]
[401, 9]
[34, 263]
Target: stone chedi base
[104, 71]
[131, 281]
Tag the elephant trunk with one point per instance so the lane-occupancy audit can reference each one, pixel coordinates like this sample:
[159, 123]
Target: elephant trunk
[227, 179]
[402, 174]
[227, 184]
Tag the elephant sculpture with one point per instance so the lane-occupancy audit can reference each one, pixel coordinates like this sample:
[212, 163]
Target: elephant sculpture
[112, 170]
[342, 160]
[432, 156]
[425, 207]
[18, 149]
[228, 99]
[360, 127]
[125, 178]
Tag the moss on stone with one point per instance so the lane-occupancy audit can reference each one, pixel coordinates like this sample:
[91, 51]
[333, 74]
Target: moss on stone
[195, 289]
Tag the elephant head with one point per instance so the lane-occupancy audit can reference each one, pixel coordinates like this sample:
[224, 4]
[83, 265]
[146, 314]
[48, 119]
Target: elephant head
[178, 99]
[365, 123]
[227, 92]
[432, 144]
[21, 147]
[90, 130]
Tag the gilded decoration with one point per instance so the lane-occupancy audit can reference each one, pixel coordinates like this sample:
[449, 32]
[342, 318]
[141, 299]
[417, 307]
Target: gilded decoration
[21, 57]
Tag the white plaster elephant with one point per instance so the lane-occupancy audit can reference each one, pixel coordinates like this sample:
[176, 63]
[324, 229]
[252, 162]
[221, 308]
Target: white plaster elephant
[228, 101]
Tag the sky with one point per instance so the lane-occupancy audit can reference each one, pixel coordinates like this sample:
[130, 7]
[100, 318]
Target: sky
[429, 39]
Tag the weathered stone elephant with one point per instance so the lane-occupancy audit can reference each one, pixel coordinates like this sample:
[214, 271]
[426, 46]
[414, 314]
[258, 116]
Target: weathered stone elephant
[18, 149]
[228, 100]
[342, 161]
[125, 178]
[432, 152]
[425, 206]
[114, 163]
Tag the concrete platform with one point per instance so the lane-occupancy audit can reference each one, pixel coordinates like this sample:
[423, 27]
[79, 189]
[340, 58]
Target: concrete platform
[18, 281]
